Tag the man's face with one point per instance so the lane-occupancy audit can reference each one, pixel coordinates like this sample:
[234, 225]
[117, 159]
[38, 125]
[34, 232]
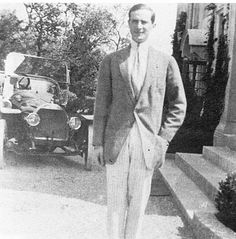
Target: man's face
[140, 25]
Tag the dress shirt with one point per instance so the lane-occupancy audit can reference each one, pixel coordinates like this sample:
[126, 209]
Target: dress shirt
[143, 55]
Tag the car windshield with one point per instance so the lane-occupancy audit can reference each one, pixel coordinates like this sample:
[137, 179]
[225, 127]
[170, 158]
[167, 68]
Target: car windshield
[41, 86]
[17, 63]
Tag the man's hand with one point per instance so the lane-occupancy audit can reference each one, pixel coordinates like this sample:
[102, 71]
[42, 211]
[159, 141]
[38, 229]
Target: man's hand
[98, 154]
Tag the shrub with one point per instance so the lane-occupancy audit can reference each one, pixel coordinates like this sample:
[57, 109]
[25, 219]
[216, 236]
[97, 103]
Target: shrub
[226, 201]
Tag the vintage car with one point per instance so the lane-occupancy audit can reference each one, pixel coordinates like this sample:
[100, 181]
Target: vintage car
[33, 116]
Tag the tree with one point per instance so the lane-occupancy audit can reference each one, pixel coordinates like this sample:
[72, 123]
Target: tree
[10, 35]
[45, 25]
[178, 33]
[81, 34]
[121, 34]
[93, 27]
[216, 78]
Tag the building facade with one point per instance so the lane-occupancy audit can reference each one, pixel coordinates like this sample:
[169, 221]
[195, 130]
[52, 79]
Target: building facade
[194, 51]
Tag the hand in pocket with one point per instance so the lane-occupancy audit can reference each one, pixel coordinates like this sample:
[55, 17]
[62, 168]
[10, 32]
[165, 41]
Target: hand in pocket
[161, 148]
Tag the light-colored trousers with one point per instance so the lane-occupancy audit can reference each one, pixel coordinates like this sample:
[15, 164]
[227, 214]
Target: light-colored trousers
[128, 190]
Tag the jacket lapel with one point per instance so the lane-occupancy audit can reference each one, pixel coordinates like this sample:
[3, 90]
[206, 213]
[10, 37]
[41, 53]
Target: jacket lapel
[123, 64]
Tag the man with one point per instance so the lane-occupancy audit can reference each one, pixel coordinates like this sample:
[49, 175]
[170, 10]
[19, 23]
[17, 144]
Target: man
[131, 135]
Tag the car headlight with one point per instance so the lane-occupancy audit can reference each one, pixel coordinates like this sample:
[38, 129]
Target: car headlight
[32, 119]
[6, 103]
[74, 123]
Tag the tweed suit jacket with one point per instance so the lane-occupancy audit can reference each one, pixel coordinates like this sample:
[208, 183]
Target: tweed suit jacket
[116, 108]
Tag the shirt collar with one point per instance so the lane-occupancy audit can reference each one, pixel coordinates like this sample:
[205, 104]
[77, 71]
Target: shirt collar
[142, 46]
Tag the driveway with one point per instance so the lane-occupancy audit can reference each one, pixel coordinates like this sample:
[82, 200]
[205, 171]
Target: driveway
[42, 198]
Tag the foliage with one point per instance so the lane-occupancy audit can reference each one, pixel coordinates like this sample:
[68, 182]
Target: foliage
[215, 79]
[178, 33]
[210, 45]
[226, 201]
[92, 27]
[121, 32]
[80, 34]
[10, 35]
[45, 24]
[193, 101]
[203, 113]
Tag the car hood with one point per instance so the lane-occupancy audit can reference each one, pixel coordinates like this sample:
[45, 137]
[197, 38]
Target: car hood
[28, 101]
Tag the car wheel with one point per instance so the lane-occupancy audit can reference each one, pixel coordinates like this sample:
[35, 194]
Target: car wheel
[3, 136]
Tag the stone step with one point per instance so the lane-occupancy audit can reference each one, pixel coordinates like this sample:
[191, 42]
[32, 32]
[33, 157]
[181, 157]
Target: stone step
[223, 157]
[197, 209]
[187, 195]
[202, 172]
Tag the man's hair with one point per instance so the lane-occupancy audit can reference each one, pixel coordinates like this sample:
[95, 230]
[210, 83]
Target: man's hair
[142, 6]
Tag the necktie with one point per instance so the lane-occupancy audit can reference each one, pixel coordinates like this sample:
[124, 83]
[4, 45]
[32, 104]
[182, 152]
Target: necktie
[136, 73]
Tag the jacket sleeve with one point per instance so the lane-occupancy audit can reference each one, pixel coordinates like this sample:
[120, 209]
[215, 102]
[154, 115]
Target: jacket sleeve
[102, 102]
[176, 102]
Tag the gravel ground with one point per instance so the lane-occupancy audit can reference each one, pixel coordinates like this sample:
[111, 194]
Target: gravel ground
[56, 198]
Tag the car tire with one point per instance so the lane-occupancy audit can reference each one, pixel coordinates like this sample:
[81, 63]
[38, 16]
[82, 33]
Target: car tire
[3, 136]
